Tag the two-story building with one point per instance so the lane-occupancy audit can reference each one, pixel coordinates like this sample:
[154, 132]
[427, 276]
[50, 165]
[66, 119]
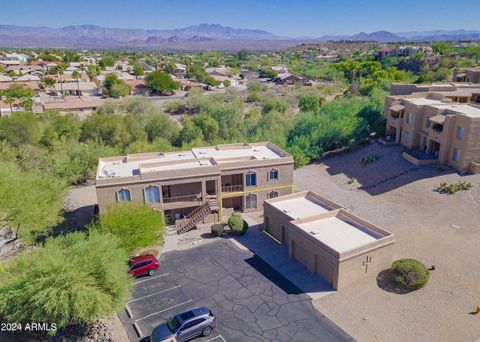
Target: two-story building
[471, 75]
[200, 185]
[434, 129]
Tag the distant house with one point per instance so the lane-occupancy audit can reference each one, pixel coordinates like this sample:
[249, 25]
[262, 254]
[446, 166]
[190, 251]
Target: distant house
[80, 89]
[289, 79]
[180, 70]
[34, 85]
[187, 85]
[27, 77]
[385, 52]
[137, 86]
[469, 75]
[14, 57]
[4, 78]
[74, 105]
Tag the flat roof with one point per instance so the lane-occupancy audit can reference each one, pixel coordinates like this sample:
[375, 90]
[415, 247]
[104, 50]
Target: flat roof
[460, 108]
[301, 207]
[136, 164]
[339, 234]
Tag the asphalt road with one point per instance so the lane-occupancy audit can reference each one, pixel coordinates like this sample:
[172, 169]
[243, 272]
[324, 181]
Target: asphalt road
[251, 300]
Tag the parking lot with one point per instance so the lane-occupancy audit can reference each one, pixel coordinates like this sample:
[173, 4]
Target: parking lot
[251, 300]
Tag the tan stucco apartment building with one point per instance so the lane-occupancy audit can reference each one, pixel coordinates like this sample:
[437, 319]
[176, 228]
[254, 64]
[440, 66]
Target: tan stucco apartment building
[435, 129]
[328, 239]
[200, 185]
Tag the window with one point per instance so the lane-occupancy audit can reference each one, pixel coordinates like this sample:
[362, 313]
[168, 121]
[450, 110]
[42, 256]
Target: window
[456, 154]
[251, 200]
[460, 133]
[123, 195]
[272, 194]
[152, 194]
[251, 179]
[273, 174]
[408, 119]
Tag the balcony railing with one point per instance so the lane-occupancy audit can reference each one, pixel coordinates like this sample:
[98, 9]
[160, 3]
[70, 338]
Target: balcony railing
[185, 198]
[232, 188]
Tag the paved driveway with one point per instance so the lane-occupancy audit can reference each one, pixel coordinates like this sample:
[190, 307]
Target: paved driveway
[251, 300]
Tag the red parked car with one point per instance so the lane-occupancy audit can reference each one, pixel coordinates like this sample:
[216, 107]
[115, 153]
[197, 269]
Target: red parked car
[143, 264]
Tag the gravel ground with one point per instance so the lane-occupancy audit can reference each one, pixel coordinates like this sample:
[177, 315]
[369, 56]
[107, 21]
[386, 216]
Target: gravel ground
[438, 229]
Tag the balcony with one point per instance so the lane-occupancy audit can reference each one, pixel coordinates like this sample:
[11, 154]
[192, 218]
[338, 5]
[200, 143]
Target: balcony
[419, 158]
[182, 201]
[232, 188]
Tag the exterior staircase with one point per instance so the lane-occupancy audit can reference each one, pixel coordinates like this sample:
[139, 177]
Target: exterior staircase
[190, 221]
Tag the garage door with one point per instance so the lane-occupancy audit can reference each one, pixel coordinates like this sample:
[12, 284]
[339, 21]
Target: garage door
[299, 253]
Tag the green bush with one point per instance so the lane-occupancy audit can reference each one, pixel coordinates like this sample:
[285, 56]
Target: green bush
[217, 229]
[135, 225]
[410, 272]
[450, 188]
[368, 160]
[237, 224]
[75, 279]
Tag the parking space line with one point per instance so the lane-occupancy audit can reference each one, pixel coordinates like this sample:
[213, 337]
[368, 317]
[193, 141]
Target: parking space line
[137, 329]
[219, 336]
[151, 278]
[156, 313]
[153, 294]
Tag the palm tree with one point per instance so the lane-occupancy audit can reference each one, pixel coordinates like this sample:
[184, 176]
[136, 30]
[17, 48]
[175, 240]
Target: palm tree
[76, 75]
[49, 82]
[60, 69]
[10, 100]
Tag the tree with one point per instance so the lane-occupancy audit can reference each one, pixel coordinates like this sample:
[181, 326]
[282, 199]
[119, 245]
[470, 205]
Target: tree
[93, 71]
[189, 132]
[20, 128]
[18, 92]
[48, 82]
[30, 202]
[106, 61]
[268, 73]
[138, 70]
[208, 126]
[60, 70]
[76, 75]
[442, 48]
[114, 87]
[74, 279]
[135, 225]
[473, 51]
[161, 126]
[310, 103]
[161, 82]
[242, 55]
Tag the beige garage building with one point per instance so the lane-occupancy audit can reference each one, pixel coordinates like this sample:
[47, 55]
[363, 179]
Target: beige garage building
[328, 239]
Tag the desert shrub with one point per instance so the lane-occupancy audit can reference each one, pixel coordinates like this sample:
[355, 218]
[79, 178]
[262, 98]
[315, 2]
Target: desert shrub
[237, 224]
[368, 160]
[254, 96]
[217, 229]
[450, 188]
[135, 225]
[256, 86]
[410, 272]
[75, 279]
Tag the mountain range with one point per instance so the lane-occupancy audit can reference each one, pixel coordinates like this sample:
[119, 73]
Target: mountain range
[196, 37]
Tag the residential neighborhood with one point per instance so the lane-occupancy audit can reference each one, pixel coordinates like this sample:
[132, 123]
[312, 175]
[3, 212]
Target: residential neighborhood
[239, 171]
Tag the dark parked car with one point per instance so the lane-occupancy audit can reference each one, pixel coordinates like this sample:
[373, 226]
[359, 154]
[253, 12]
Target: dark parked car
[142, 265]
[185, 326]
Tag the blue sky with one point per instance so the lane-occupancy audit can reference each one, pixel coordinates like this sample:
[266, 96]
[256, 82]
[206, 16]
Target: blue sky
[282, 17]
